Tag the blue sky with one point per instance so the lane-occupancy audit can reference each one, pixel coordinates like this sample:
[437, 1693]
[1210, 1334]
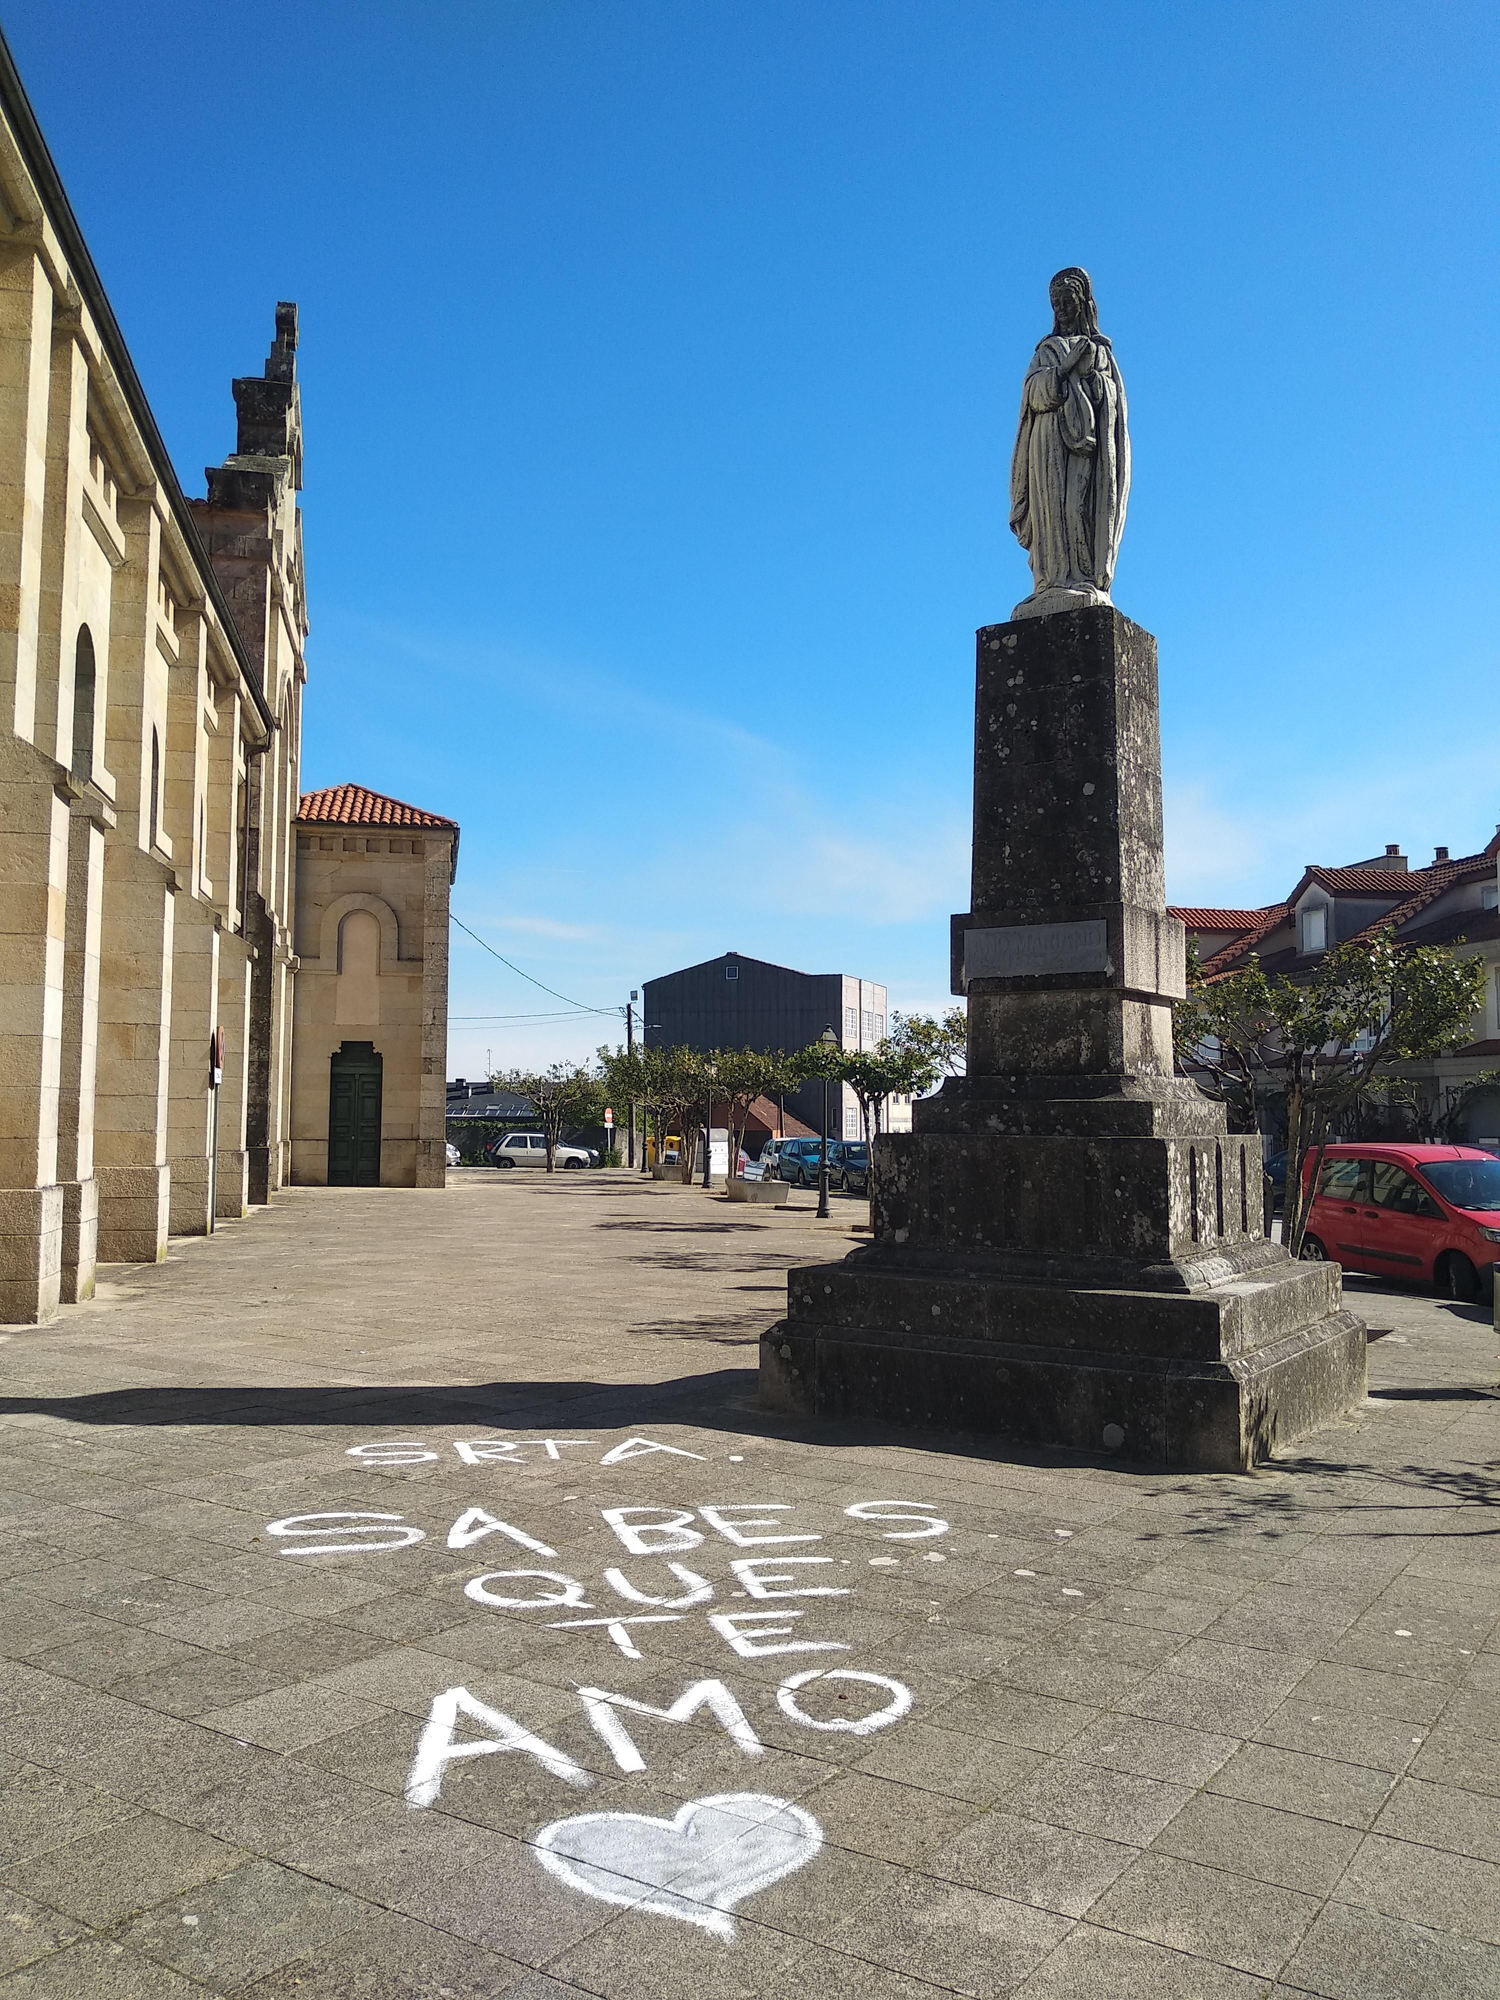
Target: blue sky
[660, 367]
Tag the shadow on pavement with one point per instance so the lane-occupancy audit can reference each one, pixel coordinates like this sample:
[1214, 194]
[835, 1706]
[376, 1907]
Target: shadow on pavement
[721, 1400]
[1435, 1395]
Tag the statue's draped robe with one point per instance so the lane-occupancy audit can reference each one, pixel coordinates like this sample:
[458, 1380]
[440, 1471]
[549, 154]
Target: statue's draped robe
[1070, 475]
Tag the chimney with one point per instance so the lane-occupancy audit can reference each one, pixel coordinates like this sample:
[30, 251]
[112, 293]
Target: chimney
[1440, 855]
[1394, 858]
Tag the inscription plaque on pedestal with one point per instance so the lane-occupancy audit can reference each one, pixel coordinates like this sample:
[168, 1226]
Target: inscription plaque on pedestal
[1010, 951]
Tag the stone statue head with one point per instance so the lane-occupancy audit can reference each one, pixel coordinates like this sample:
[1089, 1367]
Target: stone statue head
[1073, 308]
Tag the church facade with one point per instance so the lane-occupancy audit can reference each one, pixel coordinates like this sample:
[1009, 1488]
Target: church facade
[151, 673]
[369, 1042]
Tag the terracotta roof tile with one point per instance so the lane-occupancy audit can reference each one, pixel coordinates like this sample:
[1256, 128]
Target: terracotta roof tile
[355, 805]
[1472, 926]
[1427, 886]
[1221, 920]
[1270, 919]
[1365, 881]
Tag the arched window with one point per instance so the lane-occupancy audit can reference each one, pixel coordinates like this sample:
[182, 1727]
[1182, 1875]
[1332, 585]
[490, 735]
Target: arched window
[357, 996]
[155, 807]
[83, 705]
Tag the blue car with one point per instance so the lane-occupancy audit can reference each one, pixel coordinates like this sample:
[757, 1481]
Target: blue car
[849, 1166]
[797, 1161]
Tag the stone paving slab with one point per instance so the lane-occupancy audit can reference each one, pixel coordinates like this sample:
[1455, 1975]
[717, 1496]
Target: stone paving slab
[402, 1594]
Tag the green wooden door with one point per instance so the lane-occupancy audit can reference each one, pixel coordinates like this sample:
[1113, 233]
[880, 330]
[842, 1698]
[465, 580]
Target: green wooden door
[354, 1116]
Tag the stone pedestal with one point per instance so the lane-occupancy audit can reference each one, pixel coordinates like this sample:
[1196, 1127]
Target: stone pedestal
[1068, 1246]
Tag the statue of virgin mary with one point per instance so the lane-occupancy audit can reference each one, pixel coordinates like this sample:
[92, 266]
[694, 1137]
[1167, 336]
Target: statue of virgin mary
[1070, 474]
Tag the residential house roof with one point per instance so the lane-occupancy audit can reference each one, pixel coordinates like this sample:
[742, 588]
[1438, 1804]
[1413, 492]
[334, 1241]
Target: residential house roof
[1270, 919]
[1360, 881]
[1220, 920]
[1405, 892]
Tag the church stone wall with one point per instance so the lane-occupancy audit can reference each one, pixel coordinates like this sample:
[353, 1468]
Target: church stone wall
[149, 737]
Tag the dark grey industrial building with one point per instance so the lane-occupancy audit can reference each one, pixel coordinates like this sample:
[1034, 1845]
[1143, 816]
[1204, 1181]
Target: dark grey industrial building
[736, 1002]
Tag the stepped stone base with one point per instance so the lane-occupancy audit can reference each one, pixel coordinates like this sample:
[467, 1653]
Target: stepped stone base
[1213, 1378]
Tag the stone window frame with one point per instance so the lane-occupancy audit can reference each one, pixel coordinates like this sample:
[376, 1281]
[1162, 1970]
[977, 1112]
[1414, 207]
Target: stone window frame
[331, 921]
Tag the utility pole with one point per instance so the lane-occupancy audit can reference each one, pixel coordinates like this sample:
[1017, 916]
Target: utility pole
[630, 1050]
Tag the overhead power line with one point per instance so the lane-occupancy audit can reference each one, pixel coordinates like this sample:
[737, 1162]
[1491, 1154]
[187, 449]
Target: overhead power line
[578, 1005]
[571, 1015]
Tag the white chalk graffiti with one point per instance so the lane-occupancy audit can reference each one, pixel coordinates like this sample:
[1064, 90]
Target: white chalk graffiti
[712, 1695]
[507, 1451]
[751, 1645]
[864, 1725]
[383, 1531]
[476, 1524]
[699, 1590]
[437, 1747]
[696, 1867]
[571, 1593]
[639, 1447]
[922, 1512]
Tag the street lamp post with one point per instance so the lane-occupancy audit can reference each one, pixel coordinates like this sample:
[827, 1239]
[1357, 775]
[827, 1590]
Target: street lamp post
[830, 1042]
[708, 1128]
[630, 1050]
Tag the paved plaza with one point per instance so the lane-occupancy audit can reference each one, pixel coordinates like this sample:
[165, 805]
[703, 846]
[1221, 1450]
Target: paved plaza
[405, 1596]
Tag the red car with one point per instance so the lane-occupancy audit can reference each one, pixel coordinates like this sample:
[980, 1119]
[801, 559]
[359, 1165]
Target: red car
[1415, 1212]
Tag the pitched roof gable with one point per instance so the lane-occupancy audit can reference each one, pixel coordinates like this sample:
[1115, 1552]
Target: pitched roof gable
[1360, 881]
[356, 805]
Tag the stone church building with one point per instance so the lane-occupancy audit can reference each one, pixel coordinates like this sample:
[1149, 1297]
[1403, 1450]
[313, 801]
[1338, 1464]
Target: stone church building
[151, 855]
[369, 1095]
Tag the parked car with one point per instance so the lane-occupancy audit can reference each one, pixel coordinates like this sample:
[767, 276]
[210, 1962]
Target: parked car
[529, 1149]
[849, 1166]
[453, 1156]
[1405, 1211]
[797, 1161]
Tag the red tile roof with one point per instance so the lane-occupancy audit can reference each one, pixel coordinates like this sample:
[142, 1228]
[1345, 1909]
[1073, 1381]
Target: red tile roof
[1468, 926]
[1270, 919]
[1427, 886]
[1365, 881]
[1221, 920]
[354, 805]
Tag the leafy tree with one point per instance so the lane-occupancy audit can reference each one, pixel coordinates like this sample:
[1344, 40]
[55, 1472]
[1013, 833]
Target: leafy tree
[1436, 1112]
[565, 1094]
[1330, 1040]
[678, 1085]
[1225, 1036]
[944, 1043]
[739, 1076]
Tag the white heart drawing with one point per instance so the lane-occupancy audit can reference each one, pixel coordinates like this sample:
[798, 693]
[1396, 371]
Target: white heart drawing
[695, 1867]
